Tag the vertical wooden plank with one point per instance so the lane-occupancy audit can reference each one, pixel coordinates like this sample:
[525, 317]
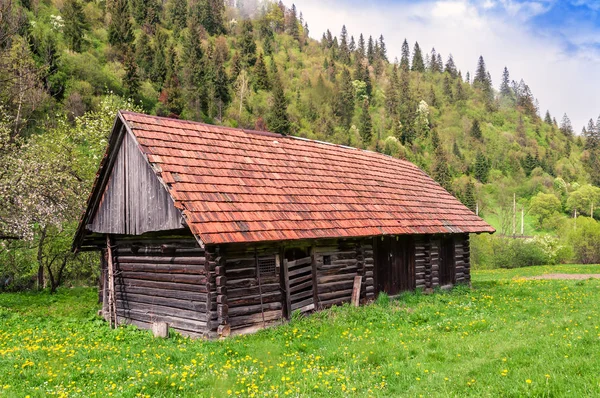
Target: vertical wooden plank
[315, 288]
[356, 290]
[288, 301]
[112, 303]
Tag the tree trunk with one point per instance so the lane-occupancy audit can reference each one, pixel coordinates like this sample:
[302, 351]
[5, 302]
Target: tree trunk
[40, 258]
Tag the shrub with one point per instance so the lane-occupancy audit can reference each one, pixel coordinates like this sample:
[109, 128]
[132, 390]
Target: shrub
[584, 238]
[502, 252]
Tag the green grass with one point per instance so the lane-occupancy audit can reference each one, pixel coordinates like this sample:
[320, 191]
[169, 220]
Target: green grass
[507, 336]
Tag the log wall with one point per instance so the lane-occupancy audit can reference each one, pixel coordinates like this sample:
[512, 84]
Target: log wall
[462, 255]
[167, 280]
[247, 302]
[335, 280]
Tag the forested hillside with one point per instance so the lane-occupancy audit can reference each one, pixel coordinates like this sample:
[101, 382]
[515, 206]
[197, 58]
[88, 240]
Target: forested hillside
[66, 66]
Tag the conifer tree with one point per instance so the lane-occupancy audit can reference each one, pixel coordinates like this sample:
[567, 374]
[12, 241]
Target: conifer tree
[382, 55]
[482, 168]
[433, 65]
[405, 56]
[366, 124]
[345, 100]
[178, 14]
[439, 170]
[159, 62]
[476, 130]
[392, 100]
[261, 76]
[361, 49]
[432, 97]
[440, 63]
[566, 127]
[448, 88]
[278, 119]
[195, 70]
[481, 76]
[370, 50]
[144, 54]
[505, 90]
[456, 151]
[344, 50]
[548, 118]
[460, 94]
[367, 80]
[171, 96]
[120, 32]
[131, 80]
[468, 198]
[451, 67]
[293, 29]
[220, 86]
[417, 61]
[76, 24]
[209, 14]
[407, 108]
[352, 45]
[247, 45]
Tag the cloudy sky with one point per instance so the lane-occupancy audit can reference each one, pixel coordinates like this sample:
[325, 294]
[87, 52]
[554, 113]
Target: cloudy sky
[553, 45]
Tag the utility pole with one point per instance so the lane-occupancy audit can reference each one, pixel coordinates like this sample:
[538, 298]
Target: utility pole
[522, 221]
[477, 208]
[514, 215]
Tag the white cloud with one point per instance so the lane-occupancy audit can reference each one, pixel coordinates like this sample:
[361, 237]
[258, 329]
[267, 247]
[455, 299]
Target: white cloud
[562, 82]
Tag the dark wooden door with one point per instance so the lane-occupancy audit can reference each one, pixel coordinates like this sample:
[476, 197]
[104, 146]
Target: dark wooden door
[395, 263]
[447, 263]
[300, 285]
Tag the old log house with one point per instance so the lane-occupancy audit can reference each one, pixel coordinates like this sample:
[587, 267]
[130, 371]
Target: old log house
[217, 230]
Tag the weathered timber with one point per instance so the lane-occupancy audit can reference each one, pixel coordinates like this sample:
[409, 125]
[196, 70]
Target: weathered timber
[124, 265]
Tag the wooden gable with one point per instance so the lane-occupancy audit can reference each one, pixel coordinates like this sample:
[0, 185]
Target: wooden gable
[134, 201]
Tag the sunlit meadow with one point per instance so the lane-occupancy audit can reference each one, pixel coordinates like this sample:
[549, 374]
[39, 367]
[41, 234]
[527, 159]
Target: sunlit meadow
[508, 336]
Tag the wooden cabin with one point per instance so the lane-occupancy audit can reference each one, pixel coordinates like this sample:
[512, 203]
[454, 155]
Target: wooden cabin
[216, 230]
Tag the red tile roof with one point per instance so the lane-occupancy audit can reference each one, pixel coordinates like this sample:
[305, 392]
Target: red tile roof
[244, 186]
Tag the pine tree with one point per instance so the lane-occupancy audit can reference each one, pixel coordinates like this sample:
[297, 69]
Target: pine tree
[131, 80]
[292, 28]
[505, 90]
[178, 14]
[220, 86]
[209, 14]
[247, 45]
[451, 67]
[417, 61]
[448, 89]
[548, 118]
[361, 49]
[278, 120]
[391, 96]
[159, 62]
[382, 55]
[195, 71]
[439, 170]
[345, 100]
[482, 168]
[460, 92]
[370, 50]
[144, 54]
[481, 79]
[433, 65]
[171, 97]
[344, 50]
[566, 127]
[432, 97]
[405, 57]
[407, 109]
[120, 32]
[76, 24]
[261, 76]
[366, 124]
[456, 151]
[367, 80]
[440, 63]
[476, 130]
[468, 198]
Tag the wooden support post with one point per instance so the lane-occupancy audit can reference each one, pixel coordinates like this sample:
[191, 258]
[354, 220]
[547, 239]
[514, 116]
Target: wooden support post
[112, 303]
[286, 278]
[514, 231]
[522, 221]
[356, 290]
[313, 262]
[223, 328]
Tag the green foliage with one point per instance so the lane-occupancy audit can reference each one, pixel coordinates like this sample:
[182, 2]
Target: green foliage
[76, 24]
[482, 168]
[366, 124]
[278, 117]
[543, 206]
[583, 235]
[120, 31]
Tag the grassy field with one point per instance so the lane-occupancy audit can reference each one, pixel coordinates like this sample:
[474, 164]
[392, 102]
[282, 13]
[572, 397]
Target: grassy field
[508, 336]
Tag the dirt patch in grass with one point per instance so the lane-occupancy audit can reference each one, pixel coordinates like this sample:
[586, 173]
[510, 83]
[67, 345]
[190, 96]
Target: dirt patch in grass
[566, 276]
